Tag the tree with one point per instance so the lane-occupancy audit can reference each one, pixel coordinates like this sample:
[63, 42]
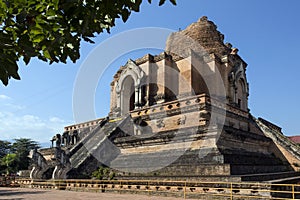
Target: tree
[4, 148]
[51, 30]
[21, 147]
[14, 157]
[9, 161]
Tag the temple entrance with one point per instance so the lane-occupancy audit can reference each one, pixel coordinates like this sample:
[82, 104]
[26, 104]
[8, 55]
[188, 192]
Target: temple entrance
[127, 95]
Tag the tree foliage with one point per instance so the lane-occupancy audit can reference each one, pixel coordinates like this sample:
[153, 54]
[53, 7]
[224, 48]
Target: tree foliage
[21, 147]
[9, 161]
[4, 148]
[51, 30]
[14, 157]
[103, 173]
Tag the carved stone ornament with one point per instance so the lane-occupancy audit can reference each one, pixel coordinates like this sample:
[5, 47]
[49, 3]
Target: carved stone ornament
[131, 69]
[181, 120]
[160, 123]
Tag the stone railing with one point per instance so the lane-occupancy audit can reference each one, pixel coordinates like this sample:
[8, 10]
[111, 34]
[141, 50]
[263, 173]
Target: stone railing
[184, 189]
[187, 104]
[83, 125]
[176, 105]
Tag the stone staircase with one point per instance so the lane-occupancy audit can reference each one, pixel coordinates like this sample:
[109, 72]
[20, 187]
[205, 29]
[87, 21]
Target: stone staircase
[79, 151]
[96, 148]
[288, 148]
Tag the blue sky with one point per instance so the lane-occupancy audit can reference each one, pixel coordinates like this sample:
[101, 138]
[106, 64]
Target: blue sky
[265, 32]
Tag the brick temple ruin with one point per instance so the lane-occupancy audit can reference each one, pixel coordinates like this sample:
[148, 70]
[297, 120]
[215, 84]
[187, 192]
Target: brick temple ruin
[182, 114]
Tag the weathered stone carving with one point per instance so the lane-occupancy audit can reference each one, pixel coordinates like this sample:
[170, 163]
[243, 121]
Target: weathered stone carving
[159, 98]
[181, 120]
[74, 137]
[57, 139]
[66, 138]
[205, 114]
[39, 165]
[160, 123]
[62, 164]
[141, 127]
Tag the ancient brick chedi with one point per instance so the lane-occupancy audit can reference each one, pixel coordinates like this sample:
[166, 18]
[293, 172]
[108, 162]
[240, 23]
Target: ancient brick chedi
[180, 114]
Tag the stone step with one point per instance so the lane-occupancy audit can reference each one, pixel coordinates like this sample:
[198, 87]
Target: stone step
[254, 159]
[199, 179]
[258, 169]
[96, 144]
[269, 177]
[79, 152]
[290, 180]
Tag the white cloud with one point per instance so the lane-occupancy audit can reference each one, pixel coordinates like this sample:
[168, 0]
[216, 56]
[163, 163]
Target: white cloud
[7, 103]
[15, 124]
[13, 106]
[4, 97]
[29, 126]
[56, 120]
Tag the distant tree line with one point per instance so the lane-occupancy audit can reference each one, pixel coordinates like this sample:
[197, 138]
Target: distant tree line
[14, 155]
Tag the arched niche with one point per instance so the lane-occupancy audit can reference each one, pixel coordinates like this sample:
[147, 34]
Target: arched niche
[128, 88]
[239, 90]
[241, 94]
[127, 95]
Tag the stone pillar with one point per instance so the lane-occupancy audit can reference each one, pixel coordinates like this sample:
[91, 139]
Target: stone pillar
[137, 97]
[118, 99]
[147, 96]
[121, 103]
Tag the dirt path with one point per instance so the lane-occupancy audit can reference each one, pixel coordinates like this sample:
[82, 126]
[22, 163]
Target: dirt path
[35, 194]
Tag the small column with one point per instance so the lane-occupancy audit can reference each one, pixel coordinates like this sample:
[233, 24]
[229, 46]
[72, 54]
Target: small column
[118, 100]
[137, 98]
[118, 95]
